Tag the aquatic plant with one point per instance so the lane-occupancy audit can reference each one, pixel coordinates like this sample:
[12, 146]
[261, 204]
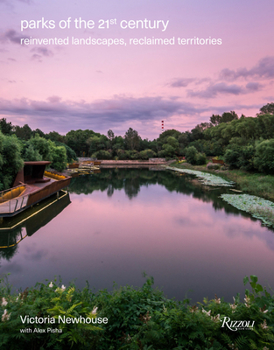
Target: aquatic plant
[259, 208]
[206, 178]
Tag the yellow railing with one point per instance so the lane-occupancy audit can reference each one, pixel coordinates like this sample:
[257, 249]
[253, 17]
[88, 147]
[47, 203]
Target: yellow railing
[54, 176]
[11, 193]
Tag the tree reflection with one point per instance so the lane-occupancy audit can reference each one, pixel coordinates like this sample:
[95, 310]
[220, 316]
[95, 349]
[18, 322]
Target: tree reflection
[131, 181]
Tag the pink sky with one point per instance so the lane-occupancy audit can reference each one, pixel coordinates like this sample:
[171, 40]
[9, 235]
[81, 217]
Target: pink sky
[61, 88]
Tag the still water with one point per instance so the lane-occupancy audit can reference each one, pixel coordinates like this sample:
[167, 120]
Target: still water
[117, 224]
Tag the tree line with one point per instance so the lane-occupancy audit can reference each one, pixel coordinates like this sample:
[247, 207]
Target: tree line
[243, 142]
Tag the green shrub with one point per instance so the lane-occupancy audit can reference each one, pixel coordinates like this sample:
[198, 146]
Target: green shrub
[10, 160]
[147, 153]
[264, 156]
[232, 155]
[191, 154]
[201, 159]
[102, 154]
[194, 157]
[138, 318]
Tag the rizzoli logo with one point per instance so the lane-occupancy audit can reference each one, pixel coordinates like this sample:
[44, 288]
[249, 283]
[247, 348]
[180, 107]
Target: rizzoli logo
[237, 325]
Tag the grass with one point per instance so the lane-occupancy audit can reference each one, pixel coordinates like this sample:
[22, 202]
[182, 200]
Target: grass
[253, 183]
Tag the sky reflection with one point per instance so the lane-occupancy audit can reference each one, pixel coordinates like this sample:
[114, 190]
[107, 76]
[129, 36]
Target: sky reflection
[180, 240]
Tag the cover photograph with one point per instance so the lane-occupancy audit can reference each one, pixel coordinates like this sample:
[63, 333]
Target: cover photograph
[136, 174]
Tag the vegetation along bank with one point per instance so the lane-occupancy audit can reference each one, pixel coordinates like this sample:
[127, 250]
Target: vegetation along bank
[135, 318]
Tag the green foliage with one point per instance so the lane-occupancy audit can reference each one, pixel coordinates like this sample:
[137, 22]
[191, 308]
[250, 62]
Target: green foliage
[77, 140]
[5, 127]
[24, 132]
[191, 154]
[264, 156]
[232, 156]
[138, 318]
[132, 139]
[102, 155]
[201, 159]
[47, 302]
[167, 151]
[267, 109]
[41, 145]
[31, 154]
[58, 157]
[147, 153]
[10, 160]
[194, 157]
[71, 155]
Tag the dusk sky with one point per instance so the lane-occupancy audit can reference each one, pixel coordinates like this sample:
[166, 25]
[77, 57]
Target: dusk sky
[101, 87]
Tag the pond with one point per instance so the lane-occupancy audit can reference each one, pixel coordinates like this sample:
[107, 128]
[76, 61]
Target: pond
[116, 224]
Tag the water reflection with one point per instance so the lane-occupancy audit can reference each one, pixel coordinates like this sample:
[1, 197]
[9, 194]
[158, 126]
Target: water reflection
[14, 230]
[131, 181]
[122, 222]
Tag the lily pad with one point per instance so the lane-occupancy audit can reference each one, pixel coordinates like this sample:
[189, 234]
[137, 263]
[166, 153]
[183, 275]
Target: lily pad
[262, 210]
[206, 178]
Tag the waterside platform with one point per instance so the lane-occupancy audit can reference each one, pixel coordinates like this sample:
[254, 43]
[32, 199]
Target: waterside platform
[32, 184]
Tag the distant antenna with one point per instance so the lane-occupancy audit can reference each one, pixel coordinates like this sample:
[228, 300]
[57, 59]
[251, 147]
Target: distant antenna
[163, 125]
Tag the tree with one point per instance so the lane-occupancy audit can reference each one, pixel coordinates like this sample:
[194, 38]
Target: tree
[5, 127]
[215, 119]
[132, 139]
[264, 156]
[228, 117]
[147, 153]
[267, 109]
[173, 142]
[110, 135]
[77, 140]
[102, 154]
[31, 154]
[55, 136]
[41, 145]
[24, 132]
[58, 157]
[167, 151]
[10, 160]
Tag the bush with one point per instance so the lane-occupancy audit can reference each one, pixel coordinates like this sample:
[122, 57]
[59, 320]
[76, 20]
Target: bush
[58, 157]
[139, 318]
[191, 154]
[147, 153]
[10, 160]
[167, 151]
[240, 156]
[201, 159]
[264, 156]
[132, 155]
[102, 154]
[232, 155]
[121, 154]
[194, 157]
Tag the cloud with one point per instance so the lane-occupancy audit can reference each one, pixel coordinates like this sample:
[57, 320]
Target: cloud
[264, 69]
[36, 57]
[12, 36]
[98, 115]
[181, 82]
[215, 89]
[9, 2]
[43, 51]
[253, 86]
